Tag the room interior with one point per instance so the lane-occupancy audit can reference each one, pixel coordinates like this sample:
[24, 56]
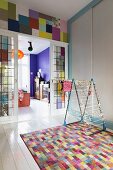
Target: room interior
[54, 141]
[33, 71]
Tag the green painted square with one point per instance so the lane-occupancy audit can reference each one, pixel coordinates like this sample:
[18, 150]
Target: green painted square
[11, 11]
[63, 37]
[3, 4]
[42, 21]
[3, 15]
[42, 28]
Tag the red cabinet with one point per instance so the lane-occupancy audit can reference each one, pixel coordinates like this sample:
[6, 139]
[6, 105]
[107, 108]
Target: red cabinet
[25, 101]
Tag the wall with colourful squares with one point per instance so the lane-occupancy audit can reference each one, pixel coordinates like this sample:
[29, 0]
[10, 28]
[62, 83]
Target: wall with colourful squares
[19, 19]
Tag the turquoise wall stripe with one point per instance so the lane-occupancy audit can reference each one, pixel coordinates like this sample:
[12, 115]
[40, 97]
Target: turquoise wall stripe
[69, 25]
[84, 10]
[109, 124]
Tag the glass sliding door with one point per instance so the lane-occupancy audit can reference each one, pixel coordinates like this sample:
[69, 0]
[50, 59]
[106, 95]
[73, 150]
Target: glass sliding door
[8, 76]
[59, 72]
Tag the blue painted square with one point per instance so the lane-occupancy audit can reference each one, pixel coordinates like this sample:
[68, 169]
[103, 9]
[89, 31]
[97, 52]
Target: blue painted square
[49, 28]
[13, 25]
[24, 20]
[42, 28]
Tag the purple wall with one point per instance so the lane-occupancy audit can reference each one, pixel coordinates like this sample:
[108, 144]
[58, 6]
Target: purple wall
[43, 63]
[33, 73]
[39, 61]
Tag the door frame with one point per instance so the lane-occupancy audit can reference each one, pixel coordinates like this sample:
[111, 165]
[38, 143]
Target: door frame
[14, 118]
[52, 43]
[54, 111]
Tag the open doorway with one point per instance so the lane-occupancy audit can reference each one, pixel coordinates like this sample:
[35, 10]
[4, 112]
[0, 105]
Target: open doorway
[33, 78]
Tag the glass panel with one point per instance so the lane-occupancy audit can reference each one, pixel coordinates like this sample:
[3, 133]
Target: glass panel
[6, 76]
[9, 40]
[4, 40]
[10, 48]
[0, 39]
[59, 76]
[4, 46]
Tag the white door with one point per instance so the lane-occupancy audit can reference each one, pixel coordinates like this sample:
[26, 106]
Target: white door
[59, 72]
[8, 76]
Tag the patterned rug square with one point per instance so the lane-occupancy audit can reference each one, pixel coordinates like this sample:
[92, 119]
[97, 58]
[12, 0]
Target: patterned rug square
[71, 148]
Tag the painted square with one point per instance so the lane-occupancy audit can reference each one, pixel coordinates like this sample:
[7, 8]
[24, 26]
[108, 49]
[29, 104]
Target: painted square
[49, 28]
[45, 35]
[35, 32]
[25, 29]
[3, 15]
[56, 33]
[56, 22]
[33, 14]
[49, 22]
[20, 9]
[42, 28]
[11, 11]
[24, 20]
[34, 23]
[63, 26]
[44, 16]
[63, 37]
[13, 25]
[42, 21]
[4, 24]
[3, 4]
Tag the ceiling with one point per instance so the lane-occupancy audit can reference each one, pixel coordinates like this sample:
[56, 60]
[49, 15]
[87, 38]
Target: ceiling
[63, 9]
[37, 44]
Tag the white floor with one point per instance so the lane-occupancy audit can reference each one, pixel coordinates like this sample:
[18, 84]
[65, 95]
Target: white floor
[13, 153]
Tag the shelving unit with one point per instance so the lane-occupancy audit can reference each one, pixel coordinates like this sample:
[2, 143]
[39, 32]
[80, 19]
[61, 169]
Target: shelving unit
[41, 90]
[45, 91]
[6, 76]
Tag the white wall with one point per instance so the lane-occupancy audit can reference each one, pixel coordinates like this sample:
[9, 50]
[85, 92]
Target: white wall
[81, 49]
[24, 73]
[102, 52]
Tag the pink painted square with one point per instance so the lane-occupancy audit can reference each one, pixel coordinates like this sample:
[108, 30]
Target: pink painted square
[63, 26]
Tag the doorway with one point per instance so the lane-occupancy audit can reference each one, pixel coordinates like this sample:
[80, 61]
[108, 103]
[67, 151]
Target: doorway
[58, 59]
[33, 77]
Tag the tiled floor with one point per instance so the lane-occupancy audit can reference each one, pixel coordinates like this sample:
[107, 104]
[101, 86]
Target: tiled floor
[13, 153]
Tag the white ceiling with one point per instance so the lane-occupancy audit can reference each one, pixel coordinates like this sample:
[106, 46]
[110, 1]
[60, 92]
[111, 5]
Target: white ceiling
[63, 9]
[37, 44]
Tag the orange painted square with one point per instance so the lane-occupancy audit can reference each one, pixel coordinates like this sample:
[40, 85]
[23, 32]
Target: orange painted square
[34, 23]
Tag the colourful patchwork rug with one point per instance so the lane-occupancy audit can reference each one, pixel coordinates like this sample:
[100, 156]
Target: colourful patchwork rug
[70, 148]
